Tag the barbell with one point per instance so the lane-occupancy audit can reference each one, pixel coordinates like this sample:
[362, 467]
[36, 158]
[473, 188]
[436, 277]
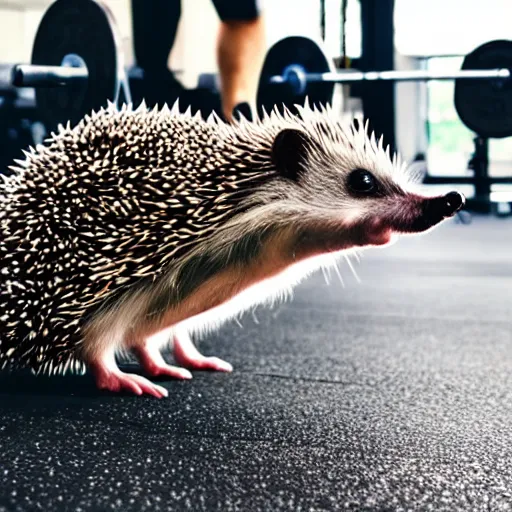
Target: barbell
[76, 63]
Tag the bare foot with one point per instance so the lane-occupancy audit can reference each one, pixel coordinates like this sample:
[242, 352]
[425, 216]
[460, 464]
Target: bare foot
[113, 379]
[186, 354]
[154, 364]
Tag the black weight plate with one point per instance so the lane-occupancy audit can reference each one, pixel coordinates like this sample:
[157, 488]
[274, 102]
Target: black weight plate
[293, 50]
[84, 28]
[485, 105]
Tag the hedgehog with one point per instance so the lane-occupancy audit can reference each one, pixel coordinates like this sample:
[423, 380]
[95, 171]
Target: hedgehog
[138, 228]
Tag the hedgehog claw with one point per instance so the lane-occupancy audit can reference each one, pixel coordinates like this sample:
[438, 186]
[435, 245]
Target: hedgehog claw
[207, 363]
[140, 385]
[166, 370]
[187, 355]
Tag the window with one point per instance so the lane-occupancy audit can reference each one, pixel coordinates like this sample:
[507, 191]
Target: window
[450, 141]
[436, 35]
[353, 39]
[449, 27]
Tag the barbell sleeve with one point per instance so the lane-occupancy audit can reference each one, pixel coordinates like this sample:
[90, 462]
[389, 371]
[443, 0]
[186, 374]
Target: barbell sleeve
[46, 76]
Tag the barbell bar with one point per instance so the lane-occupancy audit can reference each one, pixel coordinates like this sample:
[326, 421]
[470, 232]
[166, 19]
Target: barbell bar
[297, 78]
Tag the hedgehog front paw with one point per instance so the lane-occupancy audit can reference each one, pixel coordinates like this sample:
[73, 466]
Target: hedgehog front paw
[109, 377]
[119, 381]
[186, 354]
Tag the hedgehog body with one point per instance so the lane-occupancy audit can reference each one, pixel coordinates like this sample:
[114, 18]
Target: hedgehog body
[136, 227]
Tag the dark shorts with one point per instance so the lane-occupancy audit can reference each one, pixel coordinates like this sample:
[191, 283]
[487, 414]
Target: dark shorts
[237, 10]
[155, 23]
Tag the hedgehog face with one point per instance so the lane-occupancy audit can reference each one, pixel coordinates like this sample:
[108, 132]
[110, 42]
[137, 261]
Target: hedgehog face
[344, 179]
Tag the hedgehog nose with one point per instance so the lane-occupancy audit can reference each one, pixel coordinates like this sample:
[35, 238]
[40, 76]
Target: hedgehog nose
[452, 203]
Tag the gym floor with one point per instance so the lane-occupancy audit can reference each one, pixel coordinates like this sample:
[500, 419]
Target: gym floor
[393, 393]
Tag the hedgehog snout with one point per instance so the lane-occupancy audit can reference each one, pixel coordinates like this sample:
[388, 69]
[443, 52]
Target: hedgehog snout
[415, 214]
[428, 212]
[445, 206]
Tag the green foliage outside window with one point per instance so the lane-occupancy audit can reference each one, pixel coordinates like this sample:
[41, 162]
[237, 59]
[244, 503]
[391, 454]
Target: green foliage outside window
[447, 134]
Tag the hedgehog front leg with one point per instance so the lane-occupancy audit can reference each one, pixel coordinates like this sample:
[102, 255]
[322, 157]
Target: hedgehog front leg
[187, 355]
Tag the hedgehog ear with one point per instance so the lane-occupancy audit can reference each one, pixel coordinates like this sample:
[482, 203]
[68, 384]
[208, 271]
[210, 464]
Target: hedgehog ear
[289, 152]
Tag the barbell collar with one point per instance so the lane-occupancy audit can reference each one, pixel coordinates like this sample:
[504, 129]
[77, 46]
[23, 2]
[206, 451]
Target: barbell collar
[46, 76]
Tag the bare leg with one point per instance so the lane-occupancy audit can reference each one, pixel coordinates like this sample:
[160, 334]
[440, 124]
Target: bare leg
[241, 50]
[186, 354]
[109, 377]
[154, 364]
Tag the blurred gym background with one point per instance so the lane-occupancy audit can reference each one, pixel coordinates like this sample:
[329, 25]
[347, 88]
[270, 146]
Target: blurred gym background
[425, 122]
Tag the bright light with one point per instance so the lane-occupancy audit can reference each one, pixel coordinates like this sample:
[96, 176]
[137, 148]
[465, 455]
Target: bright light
[449, 27]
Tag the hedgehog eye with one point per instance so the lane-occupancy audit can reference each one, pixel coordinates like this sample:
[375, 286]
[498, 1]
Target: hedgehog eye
[362, 181]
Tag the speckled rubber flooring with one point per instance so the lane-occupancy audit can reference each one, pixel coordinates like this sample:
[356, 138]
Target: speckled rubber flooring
[394, 393]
